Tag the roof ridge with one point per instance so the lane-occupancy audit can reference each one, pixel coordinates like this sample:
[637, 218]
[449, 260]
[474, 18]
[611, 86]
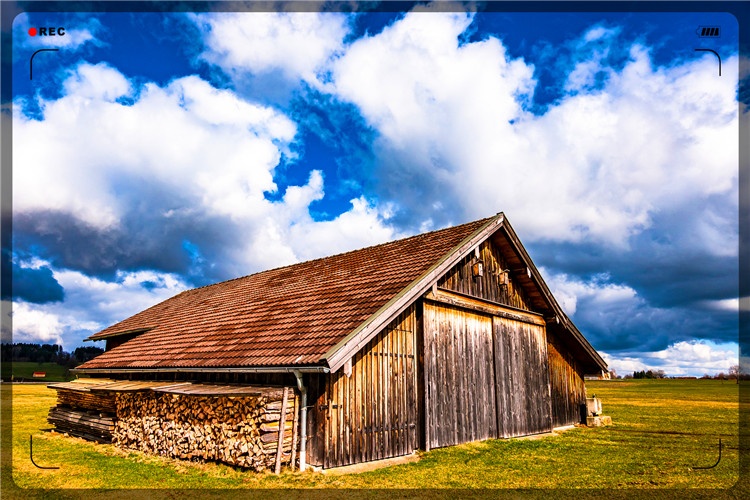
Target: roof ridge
[301, 280]
[312, 313]
[317, 259]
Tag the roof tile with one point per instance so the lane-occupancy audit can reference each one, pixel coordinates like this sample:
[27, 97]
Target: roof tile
[274, 317]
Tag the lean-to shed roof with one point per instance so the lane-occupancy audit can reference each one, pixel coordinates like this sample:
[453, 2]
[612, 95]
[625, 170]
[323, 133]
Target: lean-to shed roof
[315, 313]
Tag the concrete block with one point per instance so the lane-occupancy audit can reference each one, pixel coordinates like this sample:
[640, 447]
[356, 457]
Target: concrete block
[599, 421]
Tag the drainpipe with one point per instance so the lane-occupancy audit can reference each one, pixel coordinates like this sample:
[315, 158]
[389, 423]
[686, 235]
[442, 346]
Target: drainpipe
[303, 421]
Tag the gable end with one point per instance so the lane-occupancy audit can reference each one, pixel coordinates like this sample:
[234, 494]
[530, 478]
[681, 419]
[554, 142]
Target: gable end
[346, 348]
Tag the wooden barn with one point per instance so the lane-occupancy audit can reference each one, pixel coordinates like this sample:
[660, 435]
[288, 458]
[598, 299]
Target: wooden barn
[439, 339]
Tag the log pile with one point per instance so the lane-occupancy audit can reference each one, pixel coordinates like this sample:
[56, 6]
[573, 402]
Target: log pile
[237, 430]
[236, 424]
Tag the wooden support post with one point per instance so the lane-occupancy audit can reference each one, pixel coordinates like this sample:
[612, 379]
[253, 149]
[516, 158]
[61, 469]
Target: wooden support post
[282, 424]
[294, 432]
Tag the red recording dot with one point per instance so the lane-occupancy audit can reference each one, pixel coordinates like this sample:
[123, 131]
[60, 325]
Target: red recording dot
[32, 31]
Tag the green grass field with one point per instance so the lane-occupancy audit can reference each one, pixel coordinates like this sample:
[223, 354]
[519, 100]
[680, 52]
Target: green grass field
[662, 429]
[25, 370]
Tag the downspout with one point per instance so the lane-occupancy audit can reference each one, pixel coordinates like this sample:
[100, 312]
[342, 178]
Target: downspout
[303, 422]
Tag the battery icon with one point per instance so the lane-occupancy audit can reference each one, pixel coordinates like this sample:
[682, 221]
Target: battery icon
[709, 31]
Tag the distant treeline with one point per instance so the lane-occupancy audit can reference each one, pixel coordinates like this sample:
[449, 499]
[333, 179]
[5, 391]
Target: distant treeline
[49, 353]
[734, 373]
[650, 374]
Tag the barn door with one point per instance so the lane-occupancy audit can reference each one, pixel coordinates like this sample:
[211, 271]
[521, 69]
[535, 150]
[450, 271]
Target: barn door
[459, 376]
[521, 378]
[371, 413]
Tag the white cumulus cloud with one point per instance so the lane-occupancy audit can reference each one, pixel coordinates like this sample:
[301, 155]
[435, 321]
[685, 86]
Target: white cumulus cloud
[90, 305]
[569, 290]
[208, 143]
[688, 358]
[30, 324]
[207, 154]
[453, 122]
[297, 44]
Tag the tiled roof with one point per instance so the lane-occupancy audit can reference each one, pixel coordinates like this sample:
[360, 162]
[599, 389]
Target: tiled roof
[283, 317]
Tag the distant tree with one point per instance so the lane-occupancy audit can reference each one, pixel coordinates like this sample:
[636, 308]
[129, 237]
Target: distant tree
[48, 353]
[6, 352]
[649, 374]
[613, 374]
[83, 354]
[39, 353]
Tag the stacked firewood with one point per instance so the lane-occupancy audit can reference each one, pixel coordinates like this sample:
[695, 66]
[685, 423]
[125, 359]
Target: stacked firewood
[84, 414]
[238, 430]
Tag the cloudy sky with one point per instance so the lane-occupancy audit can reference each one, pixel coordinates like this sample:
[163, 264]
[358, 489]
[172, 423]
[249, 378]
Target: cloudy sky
[158, 152]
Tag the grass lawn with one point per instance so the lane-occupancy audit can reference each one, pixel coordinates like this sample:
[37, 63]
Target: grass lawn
[53, 371]
[662, 429]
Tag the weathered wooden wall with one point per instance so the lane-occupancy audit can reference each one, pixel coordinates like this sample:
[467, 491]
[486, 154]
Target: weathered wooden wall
[521, 378]
[460, 279]
[486, 372]
[458, 371]
[372, 413]
[317, 418]
[567, 387]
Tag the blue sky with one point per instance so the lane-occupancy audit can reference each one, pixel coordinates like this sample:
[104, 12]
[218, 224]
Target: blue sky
[155, 152]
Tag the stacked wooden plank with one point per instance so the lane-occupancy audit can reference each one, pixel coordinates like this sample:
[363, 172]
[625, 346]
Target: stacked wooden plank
[86, 424]
[83, 413]
[202, 422]
[104, 402]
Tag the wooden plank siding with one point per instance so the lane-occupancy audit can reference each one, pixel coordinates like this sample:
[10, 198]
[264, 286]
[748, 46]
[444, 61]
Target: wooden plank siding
[521, 378]
[458, 364]
[469, 361]
[459, 279]
[567, 388]
[316, 418]
[486, 375]
[373, 413]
